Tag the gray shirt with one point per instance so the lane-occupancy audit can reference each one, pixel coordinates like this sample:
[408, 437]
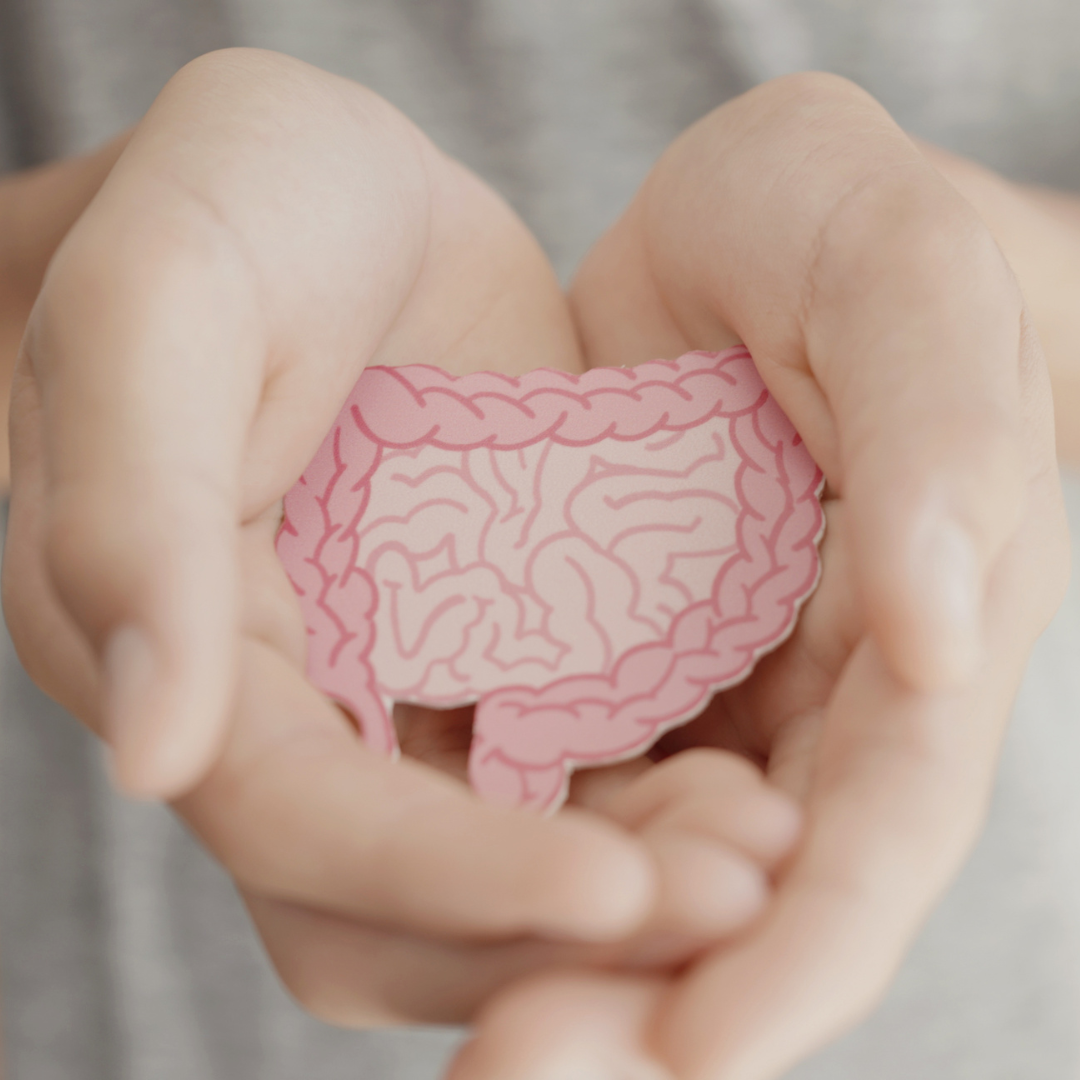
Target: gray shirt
[124, 952]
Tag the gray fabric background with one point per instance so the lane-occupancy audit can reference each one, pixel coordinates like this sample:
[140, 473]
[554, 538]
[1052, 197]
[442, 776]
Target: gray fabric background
[124, 954]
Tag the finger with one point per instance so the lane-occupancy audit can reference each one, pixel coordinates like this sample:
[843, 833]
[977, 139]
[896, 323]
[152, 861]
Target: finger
[162, 317]
[298, 808]
[51, 648]
[801, 221]
[715, 829]
[356, 974]
[716, 794]
[932, 462]
[845, 914]
[140, 529]
[899, 792]
[707, 892]
[566, 1026]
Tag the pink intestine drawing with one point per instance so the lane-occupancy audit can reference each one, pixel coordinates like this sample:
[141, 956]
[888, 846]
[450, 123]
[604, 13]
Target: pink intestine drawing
[588, 558]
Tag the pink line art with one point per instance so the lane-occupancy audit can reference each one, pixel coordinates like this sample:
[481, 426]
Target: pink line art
[588, 558]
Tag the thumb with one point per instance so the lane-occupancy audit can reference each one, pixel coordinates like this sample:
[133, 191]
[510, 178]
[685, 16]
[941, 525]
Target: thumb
[145, 410]
[932, 373]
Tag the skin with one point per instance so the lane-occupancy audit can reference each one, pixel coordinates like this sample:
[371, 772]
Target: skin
[313, 230]
[37, 208]
[325, 840]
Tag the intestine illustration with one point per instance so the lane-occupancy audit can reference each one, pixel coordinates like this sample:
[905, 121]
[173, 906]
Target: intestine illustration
[588, 558]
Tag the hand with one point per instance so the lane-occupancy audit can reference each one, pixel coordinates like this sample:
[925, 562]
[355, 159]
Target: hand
[300, 887]
[799, 220]
[268, 231]
[1039, 231]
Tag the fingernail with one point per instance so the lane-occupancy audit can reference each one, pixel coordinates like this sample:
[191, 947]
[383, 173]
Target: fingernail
[953, 592]
[132, 673]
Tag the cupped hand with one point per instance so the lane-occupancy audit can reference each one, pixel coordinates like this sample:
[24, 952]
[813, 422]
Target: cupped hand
[271, 230]
[801, 221]
[268, 231]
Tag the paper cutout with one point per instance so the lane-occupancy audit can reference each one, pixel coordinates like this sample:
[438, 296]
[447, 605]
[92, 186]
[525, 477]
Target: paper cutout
[588, 557]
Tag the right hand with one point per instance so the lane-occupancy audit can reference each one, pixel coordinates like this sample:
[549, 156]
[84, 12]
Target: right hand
[269, 231]
[801, 221]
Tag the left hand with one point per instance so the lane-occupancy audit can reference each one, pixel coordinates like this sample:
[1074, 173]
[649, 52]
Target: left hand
[268, 230]
[800, 220]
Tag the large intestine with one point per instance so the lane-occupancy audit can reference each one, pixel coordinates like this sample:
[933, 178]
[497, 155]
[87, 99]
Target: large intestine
[588, 557]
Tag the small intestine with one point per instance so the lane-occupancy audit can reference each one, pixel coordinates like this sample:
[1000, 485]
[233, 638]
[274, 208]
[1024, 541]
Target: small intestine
[499, 567]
